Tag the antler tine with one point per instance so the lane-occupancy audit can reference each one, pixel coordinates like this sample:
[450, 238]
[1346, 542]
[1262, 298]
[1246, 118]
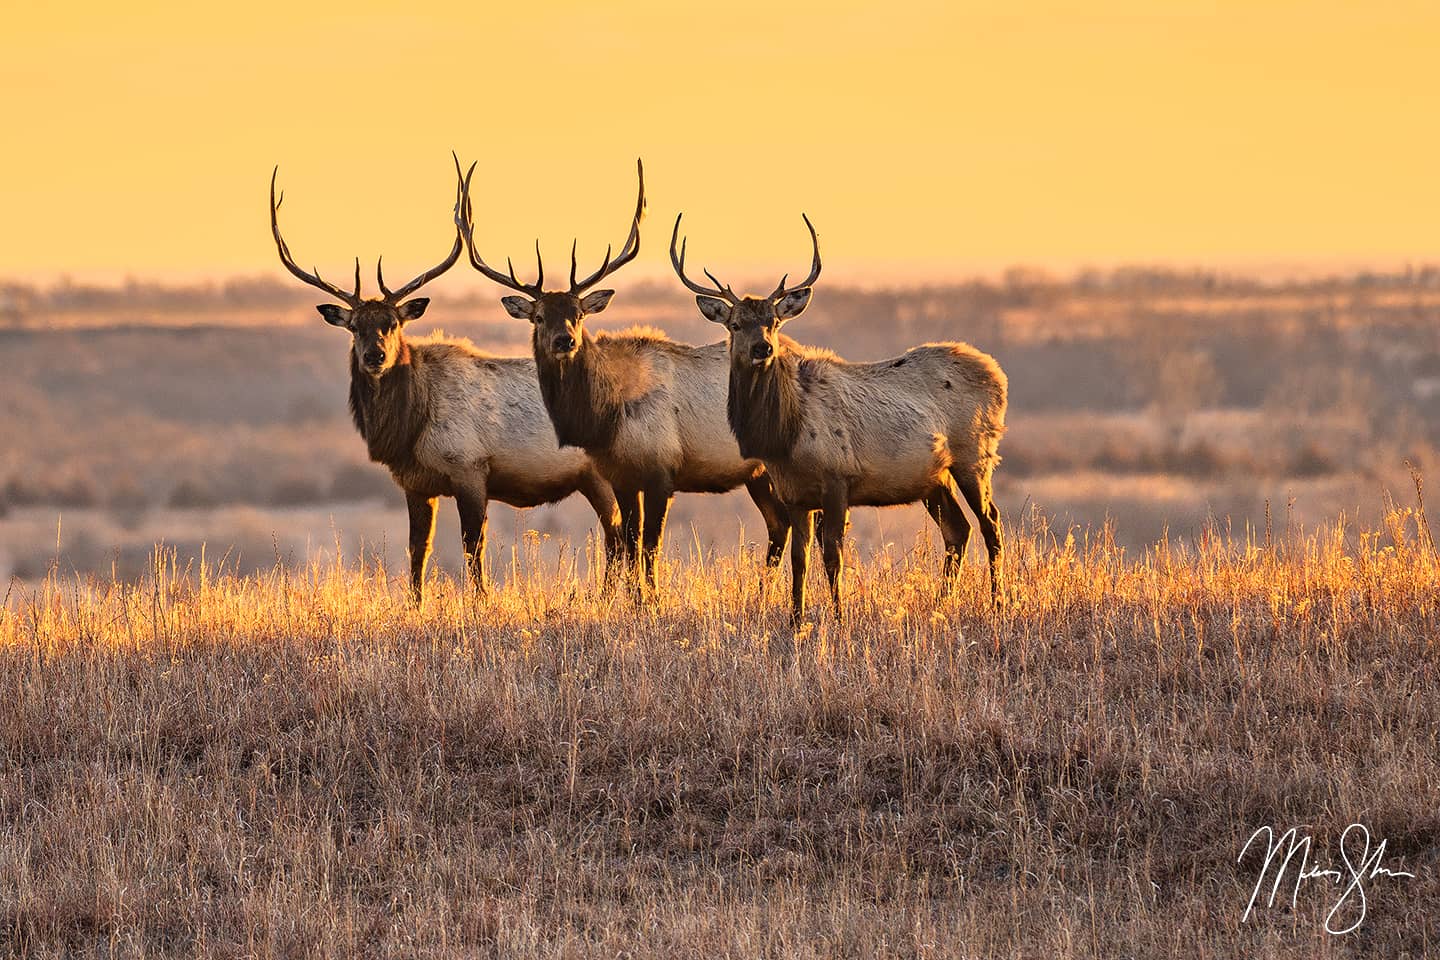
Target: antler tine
[782, 290]
[380, 277]
[678, 262]
[313, 279]
[628, 251]
[397, 295]
[466, 225]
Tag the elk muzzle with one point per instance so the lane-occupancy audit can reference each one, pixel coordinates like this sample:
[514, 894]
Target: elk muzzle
[372, 361]
[761, 352]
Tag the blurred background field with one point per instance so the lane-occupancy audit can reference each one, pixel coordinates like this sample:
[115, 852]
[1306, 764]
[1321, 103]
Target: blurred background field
[1158, 400]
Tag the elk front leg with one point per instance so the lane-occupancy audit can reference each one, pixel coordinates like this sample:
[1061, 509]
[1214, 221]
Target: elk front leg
[835, 517]
[802, 532]
[602, 498]
[944, 506]
[657, 506]
[777, 522]
[630, 514]
[422, 532]
[472, 503]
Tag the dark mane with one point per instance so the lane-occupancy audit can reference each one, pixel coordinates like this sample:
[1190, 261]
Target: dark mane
[763, 405]
[389, 413]
[584, 406]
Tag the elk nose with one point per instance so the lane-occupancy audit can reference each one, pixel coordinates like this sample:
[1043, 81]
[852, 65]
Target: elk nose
[761, 351]
[564, 343]
[373, 358]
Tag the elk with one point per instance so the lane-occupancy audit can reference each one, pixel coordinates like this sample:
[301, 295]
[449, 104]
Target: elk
[447, 419]
[645, 408]
[924, 426]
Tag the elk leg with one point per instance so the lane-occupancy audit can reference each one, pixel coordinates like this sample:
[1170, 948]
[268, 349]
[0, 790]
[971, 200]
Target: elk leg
[777, 522]
[422, 532]
[472, 505]
[944, 506]
[657, 506]
[630, 513]
[980, 496]
[802, 529]
[834, 518]
[607, 508]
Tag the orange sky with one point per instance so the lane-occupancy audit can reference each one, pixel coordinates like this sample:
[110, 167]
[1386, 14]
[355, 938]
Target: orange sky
[934, 138]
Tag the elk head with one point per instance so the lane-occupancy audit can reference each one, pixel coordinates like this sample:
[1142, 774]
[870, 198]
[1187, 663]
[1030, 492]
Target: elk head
[374, 323]
[558, 316]
[754, 322]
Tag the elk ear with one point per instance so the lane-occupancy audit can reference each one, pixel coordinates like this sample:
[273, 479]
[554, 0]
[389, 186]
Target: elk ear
[335, 316]
[716, 311]
[597, 301]
[519, 307]
[792, 304]
[413, 309]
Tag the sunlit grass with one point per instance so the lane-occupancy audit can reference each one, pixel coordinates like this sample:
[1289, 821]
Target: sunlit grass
[302, 763]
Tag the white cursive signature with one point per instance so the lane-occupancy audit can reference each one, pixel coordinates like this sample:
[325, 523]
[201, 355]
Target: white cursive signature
[1360, 869]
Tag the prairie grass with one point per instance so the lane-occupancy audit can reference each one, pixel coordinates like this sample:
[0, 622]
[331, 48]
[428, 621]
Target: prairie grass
[302, 764]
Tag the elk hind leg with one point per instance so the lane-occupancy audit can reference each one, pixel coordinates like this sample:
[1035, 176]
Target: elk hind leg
[980, 496]
[657, 506]
[832, 523]
[472, 504]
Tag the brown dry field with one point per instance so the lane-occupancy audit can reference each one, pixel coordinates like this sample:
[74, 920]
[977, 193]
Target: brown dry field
[300, 764]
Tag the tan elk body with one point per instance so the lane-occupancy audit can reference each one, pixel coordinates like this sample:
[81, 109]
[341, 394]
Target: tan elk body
[921, 427]
[648, 410]
[449, 420]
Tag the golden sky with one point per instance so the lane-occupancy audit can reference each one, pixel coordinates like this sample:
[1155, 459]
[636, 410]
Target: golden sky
[924, 137]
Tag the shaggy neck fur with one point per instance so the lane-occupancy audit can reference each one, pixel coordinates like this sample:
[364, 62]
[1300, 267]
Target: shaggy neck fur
[389, 411]
[764, 407]
[583, 401]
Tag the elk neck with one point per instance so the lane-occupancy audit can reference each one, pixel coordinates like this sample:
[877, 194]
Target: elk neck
[391, 410]
[764, 407]
[584, 401]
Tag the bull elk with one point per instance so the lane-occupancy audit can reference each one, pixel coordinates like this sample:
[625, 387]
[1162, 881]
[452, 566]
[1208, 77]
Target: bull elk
[924, 426]
[447, 419]
[645, 408]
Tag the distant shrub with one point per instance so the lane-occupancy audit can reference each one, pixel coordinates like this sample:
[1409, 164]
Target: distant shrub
[1312, 460]
[1116, 457]
[125, 493]
[22, 493]
[1200, 459]
[296, 491]
[190, 494]
[356, 482]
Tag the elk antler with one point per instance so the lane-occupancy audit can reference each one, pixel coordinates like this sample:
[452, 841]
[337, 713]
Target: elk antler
[782, 290]
[395, 296]
[351, 299]
[466, 225]
[627, 252]
[678, 262]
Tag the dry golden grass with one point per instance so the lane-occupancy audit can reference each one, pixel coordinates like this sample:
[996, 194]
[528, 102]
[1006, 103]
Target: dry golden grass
[303, 765]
